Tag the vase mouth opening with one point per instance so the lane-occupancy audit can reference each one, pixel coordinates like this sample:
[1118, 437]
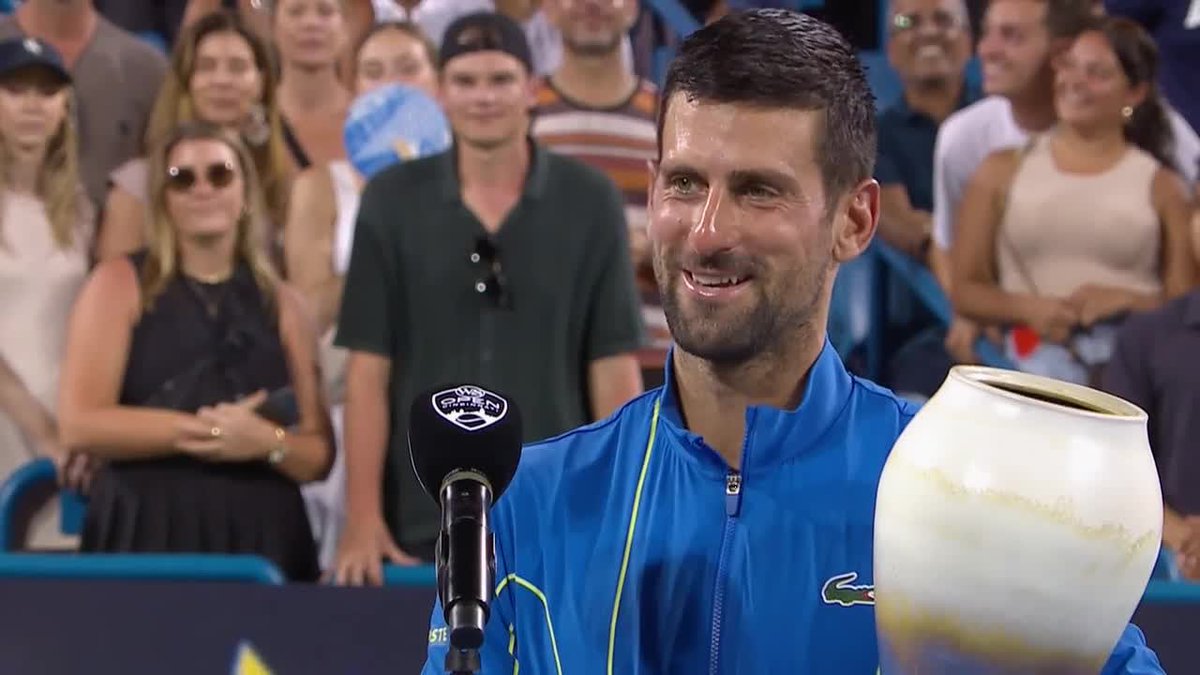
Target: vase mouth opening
[1049, 392]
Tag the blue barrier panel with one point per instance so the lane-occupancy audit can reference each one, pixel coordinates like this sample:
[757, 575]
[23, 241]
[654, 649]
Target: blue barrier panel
[51, 627]
[1171, 593]
[419, 576]
[140, 566]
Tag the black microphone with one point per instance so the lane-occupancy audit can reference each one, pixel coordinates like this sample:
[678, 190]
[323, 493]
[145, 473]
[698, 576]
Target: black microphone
[465, 443]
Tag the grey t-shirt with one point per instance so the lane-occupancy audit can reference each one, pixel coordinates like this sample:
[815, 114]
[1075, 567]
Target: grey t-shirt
[117, 78]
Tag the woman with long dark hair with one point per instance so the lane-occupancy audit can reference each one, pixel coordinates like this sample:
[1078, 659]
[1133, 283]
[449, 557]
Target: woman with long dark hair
[1090, 221]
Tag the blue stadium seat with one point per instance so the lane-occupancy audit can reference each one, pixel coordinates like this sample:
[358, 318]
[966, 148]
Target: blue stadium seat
[1165, 568]
[155, 40]
[34, 476]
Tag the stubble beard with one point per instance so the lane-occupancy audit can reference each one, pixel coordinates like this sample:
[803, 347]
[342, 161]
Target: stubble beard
[730, 337]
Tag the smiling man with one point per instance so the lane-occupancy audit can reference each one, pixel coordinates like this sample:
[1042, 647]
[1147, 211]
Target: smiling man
[929, 44]
[724, 522]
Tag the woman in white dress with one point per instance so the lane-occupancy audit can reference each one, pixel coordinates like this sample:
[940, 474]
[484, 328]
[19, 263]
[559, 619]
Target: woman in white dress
[46, 226]
[318, 237]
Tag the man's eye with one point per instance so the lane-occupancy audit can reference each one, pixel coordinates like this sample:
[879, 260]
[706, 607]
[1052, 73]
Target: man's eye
[683, 184]
[759, 192]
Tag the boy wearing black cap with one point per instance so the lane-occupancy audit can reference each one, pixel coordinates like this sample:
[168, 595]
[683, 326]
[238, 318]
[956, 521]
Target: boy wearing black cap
[495, 263]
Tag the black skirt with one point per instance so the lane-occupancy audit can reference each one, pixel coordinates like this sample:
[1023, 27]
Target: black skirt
[184, 505]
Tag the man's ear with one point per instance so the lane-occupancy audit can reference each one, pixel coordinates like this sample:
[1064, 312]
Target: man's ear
[531, 92]
[855, 222]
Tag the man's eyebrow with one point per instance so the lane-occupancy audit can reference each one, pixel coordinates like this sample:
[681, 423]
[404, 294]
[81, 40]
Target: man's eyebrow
[771, 177]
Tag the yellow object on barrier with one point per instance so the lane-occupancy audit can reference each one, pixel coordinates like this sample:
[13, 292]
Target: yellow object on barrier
[248, 662]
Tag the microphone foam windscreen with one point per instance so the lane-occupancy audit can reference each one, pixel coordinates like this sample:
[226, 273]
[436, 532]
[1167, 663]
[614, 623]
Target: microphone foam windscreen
[464, 428]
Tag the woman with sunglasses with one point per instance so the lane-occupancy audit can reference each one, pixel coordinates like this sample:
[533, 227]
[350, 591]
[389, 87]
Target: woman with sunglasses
[45, 239]
[221, 72]
[319, 233]
[180, 361]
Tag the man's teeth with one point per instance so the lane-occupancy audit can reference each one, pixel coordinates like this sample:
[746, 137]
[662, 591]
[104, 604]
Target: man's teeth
[705, 280]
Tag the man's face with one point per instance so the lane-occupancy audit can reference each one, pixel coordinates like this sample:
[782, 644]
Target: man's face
[592, 27]
[930, 42]
[1015, 46]
[487, 96]
[743, 251]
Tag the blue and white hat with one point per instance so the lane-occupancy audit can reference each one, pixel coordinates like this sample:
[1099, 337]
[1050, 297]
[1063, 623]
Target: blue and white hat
[20, 53]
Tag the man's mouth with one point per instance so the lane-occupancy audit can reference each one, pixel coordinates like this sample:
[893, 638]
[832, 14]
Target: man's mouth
[711, 284]
[930, 51]
[715, 281]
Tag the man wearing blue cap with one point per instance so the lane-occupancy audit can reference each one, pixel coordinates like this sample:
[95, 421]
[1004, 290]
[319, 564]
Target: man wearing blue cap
[723, 523]
[495, 262]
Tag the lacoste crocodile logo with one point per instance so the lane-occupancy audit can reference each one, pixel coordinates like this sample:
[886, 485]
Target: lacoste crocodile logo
[840, 590]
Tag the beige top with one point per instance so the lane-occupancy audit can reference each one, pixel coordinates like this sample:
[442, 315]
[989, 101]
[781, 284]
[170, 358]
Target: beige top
[38, 285]
[1065, 230]
[133, 177]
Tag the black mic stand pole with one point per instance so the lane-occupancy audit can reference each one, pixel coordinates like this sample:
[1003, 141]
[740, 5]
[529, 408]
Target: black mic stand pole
[462, 662]
[466, 571]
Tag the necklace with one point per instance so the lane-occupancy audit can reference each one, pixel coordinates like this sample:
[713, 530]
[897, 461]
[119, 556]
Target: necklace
[210, 294]
[209, 278]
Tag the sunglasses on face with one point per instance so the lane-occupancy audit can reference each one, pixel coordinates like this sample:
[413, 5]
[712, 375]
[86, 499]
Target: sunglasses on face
[491, 282]
[183, 178]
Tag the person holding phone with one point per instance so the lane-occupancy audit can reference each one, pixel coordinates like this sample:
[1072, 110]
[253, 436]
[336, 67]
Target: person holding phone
[178, 365]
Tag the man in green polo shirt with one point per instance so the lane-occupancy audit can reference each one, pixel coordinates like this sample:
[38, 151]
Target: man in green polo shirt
[496, 263]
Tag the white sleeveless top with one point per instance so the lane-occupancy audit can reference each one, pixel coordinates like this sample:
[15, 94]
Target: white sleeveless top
[346, 197]
[39, 282]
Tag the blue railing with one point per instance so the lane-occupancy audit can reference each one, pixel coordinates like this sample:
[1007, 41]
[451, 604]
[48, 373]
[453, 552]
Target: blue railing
[253, 569]
[23, 482]
[141, 567]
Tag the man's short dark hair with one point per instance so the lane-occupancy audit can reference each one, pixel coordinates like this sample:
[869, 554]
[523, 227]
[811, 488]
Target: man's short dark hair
[1069, 18]
[774, 58]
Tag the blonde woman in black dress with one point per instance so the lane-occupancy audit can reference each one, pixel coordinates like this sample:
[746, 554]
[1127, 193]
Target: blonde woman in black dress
[179, 362]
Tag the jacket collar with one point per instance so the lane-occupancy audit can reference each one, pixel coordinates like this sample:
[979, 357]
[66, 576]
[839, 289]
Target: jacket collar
[773, 435]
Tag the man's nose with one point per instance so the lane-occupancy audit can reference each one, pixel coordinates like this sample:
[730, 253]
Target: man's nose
[987, 45]
[927, 27]
[717, 227]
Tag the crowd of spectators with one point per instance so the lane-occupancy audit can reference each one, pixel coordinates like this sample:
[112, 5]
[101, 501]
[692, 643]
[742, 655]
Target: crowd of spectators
[215, 322]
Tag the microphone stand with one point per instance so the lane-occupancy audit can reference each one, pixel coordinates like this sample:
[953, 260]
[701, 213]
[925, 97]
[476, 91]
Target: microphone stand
[462, 662]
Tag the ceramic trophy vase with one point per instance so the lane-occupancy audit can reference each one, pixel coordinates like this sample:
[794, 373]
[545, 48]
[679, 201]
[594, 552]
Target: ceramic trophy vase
[1017, 522]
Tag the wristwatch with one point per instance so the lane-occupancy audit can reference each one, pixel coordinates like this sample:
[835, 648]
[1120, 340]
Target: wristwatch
[280, 450]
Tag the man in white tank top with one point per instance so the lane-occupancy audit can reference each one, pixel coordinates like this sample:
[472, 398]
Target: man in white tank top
[1018, 43]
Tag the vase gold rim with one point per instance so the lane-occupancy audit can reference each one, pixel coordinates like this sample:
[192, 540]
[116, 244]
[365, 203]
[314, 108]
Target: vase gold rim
[1105, 405]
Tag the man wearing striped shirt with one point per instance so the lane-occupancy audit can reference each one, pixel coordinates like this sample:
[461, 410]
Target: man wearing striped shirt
[595, 109]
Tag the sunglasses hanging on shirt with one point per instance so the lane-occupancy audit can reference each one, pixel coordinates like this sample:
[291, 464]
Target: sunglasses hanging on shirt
[491, 282]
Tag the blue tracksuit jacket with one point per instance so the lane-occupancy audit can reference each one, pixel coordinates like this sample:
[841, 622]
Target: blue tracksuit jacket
[629, 547]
